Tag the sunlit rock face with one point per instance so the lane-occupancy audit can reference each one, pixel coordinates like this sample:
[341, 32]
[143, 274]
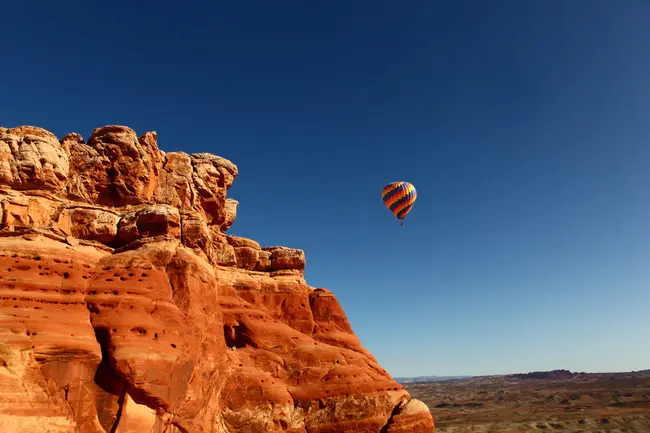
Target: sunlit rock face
[125, 307]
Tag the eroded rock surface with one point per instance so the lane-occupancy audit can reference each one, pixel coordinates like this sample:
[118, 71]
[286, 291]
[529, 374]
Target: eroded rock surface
[124, 306]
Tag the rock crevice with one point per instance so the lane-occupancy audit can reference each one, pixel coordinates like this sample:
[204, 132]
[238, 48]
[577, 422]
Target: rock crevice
[126, 307]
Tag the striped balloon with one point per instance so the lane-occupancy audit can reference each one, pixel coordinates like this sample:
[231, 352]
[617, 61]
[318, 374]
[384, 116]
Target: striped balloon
[399, 198]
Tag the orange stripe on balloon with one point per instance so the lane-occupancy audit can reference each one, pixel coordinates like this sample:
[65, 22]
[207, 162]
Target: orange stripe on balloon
[406, 211]
[395, 198]
[390, 188]
[404, 205]
[401, 206]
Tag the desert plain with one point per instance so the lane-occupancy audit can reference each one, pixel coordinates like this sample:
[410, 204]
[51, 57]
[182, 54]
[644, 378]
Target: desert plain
[557, 401]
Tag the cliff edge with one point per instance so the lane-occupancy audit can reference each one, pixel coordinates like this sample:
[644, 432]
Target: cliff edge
[125, 307]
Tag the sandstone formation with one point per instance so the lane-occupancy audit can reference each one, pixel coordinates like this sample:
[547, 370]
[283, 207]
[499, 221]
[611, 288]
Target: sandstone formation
[125, 307]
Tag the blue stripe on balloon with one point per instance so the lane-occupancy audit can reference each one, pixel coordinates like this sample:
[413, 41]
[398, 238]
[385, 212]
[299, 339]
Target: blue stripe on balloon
[401, 214]
[393, 192]
[401, 201]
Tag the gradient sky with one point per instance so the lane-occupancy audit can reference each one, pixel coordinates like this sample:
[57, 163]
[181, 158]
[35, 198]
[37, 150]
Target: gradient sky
[524, 126]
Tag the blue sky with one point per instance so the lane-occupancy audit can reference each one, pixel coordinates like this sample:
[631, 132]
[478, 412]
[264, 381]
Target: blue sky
[524, 126]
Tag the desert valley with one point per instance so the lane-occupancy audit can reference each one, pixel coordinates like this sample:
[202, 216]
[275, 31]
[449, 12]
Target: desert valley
[559, 401]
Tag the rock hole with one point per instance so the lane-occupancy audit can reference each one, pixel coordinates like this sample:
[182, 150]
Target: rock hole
[173, 345]
[139, 330]
[236, 336]
[131, 274]
[109, 279]
[66, 275]
[144, 274]
[14, 255]
[115, 293]
[283, 424]
[37, 258]
[28, 333]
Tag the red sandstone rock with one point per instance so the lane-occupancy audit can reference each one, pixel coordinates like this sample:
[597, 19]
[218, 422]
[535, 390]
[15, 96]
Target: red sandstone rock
[132, 165]
[125, 308]
[32, 158]
[92, 224]
[231, 213]
[411, 417]
[286, 258]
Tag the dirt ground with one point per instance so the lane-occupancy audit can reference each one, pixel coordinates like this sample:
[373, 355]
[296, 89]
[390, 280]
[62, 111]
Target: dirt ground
[618, 402]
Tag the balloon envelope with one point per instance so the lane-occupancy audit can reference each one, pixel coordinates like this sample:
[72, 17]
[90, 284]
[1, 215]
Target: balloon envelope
[399, 198]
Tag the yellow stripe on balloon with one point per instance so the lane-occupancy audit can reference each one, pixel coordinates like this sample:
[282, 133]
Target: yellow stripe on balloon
[403, 206]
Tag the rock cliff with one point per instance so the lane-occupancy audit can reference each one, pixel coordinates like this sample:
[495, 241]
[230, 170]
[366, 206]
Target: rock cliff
[125, 307]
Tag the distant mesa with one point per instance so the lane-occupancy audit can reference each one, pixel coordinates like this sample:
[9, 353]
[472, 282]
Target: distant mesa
[553, 374]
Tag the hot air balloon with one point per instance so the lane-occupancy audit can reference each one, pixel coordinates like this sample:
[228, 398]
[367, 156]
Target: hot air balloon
[399, 198]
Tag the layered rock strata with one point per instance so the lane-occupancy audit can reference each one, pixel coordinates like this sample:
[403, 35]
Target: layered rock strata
[125, 307]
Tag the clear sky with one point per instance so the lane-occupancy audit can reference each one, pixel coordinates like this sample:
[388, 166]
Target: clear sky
[524, 126]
